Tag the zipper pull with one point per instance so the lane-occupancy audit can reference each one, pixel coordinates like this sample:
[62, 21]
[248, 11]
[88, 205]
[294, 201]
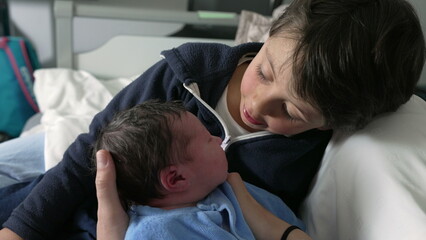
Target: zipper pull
[225, 142]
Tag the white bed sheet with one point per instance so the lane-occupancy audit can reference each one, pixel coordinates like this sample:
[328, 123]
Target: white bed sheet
[372, 184]
[69, 99]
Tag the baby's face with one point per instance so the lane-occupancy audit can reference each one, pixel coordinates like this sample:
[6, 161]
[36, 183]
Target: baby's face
[208, 165]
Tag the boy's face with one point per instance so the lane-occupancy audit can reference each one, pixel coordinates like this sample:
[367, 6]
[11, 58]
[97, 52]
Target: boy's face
[208, 166]
[267, 100]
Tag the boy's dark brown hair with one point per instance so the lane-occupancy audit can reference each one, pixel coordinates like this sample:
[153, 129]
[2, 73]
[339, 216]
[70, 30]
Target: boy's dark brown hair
[354, 59]
[140, 140]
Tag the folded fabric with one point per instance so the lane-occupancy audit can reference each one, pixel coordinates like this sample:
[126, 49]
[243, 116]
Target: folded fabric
[218, 216]
[69, 99]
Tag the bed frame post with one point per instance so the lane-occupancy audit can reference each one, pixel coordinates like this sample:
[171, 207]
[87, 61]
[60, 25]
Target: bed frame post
[64, 11]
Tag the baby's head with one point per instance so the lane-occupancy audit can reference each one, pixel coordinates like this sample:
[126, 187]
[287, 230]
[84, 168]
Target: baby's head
[353, 59]
[159, 149]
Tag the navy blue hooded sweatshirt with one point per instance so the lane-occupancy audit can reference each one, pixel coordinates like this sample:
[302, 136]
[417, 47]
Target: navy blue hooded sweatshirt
[197, 74]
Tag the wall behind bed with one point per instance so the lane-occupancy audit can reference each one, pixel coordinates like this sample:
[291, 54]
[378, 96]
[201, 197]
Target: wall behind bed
[34, 20]
[25, 13]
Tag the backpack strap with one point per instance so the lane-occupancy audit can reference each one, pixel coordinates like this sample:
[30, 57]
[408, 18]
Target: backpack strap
[18, 74]
[24, 51]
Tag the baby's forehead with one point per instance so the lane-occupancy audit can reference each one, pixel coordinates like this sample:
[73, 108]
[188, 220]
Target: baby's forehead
[184, 126]
[183, 132]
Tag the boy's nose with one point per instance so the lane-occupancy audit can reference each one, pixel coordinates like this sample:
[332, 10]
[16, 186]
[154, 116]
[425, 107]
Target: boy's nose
[264, 104]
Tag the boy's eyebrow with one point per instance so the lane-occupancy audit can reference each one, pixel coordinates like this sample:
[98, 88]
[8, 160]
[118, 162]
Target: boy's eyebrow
[309, 115]
[306, 116]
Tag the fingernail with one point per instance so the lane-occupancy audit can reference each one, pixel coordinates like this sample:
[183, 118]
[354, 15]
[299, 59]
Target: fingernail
[101, 160]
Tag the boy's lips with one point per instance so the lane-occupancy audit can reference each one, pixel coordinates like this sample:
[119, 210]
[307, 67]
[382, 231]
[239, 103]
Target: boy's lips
[250, 118]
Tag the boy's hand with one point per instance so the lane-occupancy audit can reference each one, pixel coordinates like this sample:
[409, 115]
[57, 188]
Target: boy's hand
[112, 219]
[262, 223]
[237, 184]
[7, 234]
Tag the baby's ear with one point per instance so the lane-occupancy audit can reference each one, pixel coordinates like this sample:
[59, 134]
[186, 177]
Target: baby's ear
[173, 179]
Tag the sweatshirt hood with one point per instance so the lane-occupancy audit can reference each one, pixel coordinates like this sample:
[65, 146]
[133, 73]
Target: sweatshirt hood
[205, 62]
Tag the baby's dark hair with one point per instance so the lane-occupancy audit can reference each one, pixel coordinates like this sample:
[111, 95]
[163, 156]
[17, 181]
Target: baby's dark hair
[354, 59]
[141, 143]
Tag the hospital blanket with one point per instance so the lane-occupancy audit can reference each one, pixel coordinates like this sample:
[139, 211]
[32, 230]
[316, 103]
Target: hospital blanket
[218, 216]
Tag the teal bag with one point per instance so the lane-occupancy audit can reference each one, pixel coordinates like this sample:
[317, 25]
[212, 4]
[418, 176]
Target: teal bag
[18, 60]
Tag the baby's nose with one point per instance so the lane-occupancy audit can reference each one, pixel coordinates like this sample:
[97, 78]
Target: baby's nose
[218, 140]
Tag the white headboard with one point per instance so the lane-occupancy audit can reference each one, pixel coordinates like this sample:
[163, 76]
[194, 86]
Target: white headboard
[139, 53]
[122, 55]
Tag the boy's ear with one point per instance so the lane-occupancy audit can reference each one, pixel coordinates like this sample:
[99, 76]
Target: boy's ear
[173, 178]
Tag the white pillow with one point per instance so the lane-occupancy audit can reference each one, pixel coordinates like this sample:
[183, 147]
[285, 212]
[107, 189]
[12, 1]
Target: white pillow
[372, 184]
[254, 27]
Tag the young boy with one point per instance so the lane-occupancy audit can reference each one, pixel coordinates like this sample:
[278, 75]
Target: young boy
[171, 172]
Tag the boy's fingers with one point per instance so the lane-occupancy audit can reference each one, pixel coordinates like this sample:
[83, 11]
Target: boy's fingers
[235, 180]
[112, 219]
[106, 189]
